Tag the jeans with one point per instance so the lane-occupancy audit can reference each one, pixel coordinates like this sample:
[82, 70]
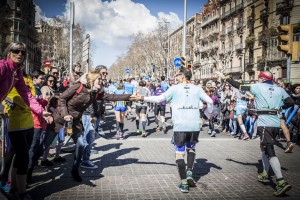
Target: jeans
[97, 124]
[88, 137]
[233, 126]
[37, 132]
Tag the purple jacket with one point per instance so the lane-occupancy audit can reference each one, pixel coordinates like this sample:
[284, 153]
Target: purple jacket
[215, 99]
[158, 92]
[11, 76]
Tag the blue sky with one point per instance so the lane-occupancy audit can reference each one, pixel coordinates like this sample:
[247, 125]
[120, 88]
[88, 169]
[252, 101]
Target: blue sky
[111, 23]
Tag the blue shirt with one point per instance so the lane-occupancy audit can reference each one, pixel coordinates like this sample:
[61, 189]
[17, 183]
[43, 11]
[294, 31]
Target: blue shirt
[120, 103]
[164, 86]
[128, 88]
[111, 89]
[185, 101]
[268, 97]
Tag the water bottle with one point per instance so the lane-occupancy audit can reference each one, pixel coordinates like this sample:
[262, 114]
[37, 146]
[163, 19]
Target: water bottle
[69, 129]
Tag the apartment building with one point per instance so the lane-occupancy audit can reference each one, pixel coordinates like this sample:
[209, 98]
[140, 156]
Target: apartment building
[209, 40]
[176, 40]
[20, 21]
[49, 37]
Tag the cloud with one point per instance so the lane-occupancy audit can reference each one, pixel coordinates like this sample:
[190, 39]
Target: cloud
[39, 14]
[112, 23]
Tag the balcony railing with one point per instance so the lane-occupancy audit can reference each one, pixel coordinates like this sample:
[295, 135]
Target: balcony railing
[232, 10]
[284, 6]
[233, 70]
[204, 23]
[249, 61]
[239, 46]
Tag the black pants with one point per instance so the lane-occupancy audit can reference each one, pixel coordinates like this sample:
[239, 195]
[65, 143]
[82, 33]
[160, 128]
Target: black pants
[21, 142]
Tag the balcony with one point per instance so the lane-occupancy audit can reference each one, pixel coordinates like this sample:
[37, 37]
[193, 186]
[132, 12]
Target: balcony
[237, 26]
[264, 15]
[239, 47]
[249, 62]
[233, 10]
[221, 51]
[208, 21]
[284, 6]
[237, 69]
[229, 29]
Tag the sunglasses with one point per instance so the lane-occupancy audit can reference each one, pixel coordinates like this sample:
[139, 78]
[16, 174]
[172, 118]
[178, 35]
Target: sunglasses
[50, 81]
[55, 73]
[104, 73]
[17, 51]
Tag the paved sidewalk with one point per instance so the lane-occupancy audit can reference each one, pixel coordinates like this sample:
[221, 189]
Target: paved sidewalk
[144, 168]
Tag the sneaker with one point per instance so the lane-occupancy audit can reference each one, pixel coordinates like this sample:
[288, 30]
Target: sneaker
[46, 163]
[88, 165]
[144, 134]
[117, 136]
[209, 131]
[289, 147]
[6, 188]
[157, 129]
[213, 134]
[246, 137]
[138, 132]
[184, 187]
[282, 188]
[263, 178]
[75, 175]
[190, 180]
[164, 129]
[59, 159]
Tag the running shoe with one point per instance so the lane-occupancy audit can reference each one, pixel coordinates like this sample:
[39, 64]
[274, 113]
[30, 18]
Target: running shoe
[144, 134]
[184, 187]
[117, 136]
[289, 147]
[213, 134]
[263, 178]
[138, 132]
[282, 188]
[157, 129]
[6, 188]
[88, 165]
[164, 129]
[190, 180]
[246, 137]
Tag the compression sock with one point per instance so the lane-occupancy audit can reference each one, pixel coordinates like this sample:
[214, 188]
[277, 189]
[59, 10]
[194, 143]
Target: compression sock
[144, 125]
[275, 164]
[137, 123]
[191, 154]
[265, 162]
[181, 168]
[118, 125]
[122, 127]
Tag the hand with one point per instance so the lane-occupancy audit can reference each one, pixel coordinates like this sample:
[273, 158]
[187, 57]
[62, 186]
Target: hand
[135, 98]
[46, 114]
[68, 118]
[92, 119]
[220, 74]
[49, 119]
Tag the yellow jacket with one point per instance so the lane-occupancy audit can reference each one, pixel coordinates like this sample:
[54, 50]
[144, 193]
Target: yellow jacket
[20, 117]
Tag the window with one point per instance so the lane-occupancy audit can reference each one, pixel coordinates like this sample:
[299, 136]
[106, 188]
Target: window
[213, 14]
[285, 19]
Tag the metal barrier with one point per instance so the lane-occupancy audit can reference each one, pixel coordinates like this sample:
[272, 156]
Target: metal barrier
[3, 130]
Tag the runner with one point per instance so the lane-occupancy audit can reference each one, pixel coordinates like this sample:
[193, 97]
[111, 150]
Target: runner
[185, 100]
[120, 110]
[268, 99]
[160, 108]
[129, 89]
[141, 109]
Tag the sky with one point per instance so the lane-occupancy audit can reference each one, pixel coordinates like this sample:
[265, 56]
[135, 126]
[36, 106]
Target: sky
[112, 23]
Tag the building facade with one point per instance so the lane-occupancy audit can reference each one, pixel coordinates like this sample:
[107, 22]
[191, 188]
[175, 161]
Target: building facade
[20, 27]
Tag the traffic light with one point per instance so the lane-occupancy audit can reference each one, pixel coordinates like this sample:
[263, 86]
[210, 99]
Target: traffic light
[288, 37]
[183, 61]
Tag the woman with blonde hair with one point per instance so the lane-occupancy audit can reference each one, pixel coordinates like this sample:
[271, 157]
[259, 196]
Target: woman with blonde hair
[72, 103]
